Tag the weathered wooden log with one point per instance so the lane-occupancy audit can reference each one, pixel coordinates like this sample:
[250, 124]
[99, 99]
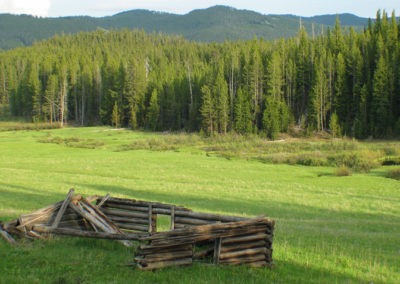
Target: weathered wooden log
[137, 209]
[166, 256]
[245, 238]
[217, 250]
[62, 209]
[245, 252]
[114, 200]
[149, 249]
[237, 260]
[242, 246]
[150, 218]
[204, 232]
[100, 215]
[99, 221]
[10, 224]
[72, 223]
[132, 227]
[103, 200]
[207, 216]
[86, 234]
[38, 216]
[133, 221]
[163, 264]
[71, 216]
[172, 227]
[240, 227]
[192, 221]
[7, 237]
[92, 198]
[123, 213]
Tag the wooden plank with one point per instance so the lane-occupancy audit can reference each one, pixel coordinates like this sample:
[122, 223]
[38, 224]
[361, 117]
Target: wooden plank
[39, 215]
[132, 227]
[172, 227]
[124, 213]
[208, 216]
[142, 203]
[62, 209]
[244, 238]
[103, 200]
[202, 233]
[251, 225]
[132, 208]
[7, 237]
[148, 249]
[192, 221]
[150, 215]
[245, 252]
[242, 246]
[132, 221]
[217, 250]
[87, 234]
[103, 224]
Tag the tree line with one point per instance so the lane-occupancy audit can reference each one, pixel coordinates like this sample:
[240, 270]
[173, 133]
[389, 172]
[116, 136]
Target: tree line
[338, 80]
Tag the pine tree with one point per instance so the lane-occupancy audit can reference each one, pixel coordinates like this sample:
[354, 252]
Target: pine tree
[380, 101]
[153, 111]
[242, 113]
[271, 121]
[116, 119]
[334, 126]
[207, 110]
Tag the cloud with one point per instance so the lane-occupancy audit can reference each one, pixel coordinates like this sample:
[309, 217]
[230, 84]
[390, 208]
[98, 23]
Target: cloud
[30, 7]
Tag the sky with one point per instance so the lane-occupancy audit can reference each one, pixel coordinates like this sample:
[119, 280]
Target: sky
[99, 8]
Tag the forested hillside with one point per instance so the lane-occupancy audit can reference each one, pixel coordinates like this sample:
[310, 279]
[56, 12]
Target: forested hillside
[348, 82]
[218, 23]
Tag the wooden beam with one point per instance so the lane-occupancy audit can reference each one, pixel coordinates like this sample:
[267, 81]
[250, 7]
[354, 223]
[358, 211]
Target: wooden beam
[7, 237]
[86, 234]
[62, 209]
[103, 200]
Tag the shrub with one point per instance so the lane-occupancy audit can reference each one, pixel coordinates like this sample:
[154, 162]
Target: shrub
[316, 159]
[360, 161]
[342, 171]
[394, 174]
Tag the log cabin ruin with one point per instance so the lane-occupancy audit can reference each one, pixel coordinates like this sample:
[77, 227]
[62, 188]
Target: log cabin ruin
[192, 236]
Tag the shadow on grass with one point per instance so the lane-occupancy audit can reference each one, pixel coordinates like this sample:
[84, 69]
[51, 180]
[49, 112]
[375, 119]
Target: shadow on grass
[15, 198]
[253, 207]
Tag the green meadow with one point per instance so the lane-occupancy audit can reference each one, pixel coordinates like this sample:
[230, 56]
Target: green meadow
[329, 228]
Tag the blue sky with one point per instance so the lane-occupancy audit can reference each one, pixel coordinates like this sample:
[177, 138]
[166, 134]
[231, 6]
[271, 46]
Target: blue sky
[97, 8]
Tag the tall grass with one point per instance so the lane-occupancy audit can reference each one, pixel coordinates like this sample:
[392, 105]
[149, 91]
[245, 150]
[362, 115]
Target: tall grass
[328, 229]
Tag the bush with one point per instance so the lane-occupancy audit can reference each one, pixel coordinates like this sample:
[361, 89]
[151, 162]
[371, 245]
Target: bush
[360, 161]
[342, 171]
[316, 159]
[394, 174]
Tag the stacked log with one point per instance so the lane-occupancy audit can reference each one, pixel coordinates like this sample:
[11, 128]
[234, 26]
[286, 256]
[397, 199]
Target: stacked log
[190, 219]
[242, 242]
[136, 215]
[194, 236]
[149, 257]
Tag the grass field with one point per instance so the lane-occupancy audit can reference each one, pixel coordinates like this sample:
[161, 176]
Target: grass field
[329, 229]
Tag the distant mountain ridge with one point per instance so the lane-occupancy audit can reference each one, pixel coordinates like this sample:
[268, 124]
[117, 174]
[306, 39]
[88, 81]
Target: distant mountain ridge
[216, 23]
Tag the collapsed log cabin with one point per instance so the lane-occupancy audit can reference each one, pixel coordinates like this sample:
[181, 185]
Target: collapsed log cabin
[192, 236]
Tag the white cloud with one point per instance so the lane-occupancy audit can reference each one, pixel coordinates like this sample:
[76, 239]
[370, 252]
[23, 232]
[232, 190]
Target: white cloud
[31, 7]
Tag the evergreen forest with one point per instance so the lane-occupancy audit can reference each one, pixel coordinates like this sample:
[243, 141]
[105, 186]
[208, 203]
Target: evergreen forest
[341, 81]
